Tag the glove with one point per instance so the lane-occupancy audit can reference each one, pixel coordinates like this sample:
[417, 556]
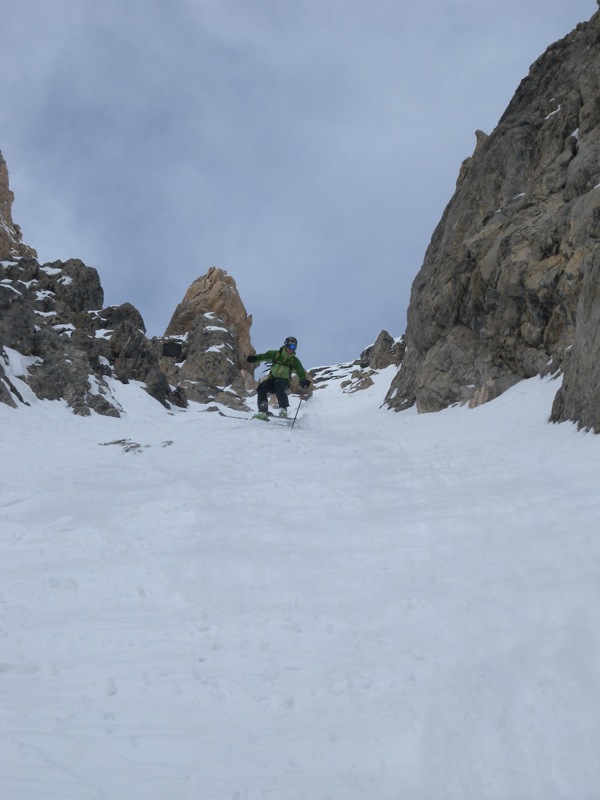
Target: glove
[305, 384]
[251, 359]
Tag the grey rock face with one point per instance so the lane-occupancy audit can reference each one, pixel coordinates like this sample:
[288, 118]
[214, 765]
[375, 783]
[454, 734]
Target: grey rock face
[8, 393]
[17, 316]
[501, 294]
[578, 399]
[53, 313]
[133, 356]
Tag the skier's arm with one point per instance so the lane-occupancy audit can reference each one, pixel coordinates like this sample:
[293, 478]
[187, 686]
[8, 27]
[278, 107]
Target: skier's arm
[299, 370]
[268, 356]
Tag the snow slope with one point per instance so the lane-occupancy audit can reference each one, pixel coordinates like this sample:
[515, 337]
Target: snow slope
[372, 605]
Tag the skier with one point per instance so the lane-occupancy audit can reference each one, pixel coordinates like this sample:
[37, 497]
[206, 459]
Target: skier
[284, 362]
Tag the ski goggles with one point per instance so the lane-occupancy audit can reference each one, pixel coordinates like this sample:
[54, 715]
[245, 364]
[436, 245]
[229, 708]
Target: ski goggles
[291, 346]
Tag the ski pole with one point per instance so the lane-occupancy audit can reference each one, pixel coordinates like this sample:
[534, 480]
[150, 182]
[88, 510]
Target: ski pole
[297, 410]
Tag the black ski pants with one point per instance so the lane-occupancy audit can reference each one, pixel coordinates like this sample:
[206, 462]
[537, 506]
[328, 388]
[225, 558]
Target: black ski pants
[272, 386]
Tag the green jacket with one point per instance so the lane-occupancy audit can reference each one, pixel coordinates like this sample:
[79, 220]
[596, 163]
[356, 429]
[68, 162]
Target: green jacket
[283, 364]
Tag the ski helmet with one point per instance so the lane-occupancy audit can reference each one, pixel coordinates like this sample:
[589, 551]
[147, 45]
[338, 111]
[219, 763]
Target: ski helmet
[291, 342]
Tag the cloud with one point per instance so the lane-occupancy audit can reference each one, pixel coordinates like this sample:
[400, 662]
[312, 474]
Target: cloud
[307, 147]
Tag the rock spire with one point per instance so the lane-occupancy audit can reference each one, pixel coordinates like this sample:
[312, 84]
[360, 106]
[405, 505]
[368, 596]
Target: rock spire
[207, 341]
[11, 245]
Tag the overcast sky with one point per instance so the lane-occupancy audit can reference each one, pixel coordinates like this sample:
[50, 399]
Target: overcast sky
[308, 147]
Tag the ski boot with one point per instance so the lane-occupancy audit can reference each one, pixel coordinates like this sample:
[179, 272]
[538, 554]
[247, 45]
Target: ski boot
[263, 412]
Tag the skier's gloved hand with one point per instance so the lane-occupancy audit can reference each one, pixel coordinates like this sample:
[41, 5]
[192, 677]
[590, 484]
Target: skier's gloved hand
[305, 384]
[251, 359]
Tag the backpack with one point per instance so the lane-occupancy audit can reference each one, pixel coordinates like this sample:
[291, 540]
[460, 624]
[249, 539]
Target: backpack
[285, 364]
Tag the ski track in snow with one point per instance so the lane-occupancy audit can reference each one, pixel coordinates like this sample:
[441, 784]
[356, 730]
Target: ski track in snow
[371, 605]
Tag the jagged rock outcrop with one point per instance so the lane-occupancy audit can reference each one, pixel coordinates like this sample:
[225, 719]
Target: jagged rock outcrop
[384, 352]
[11, 245]
[205, 345]
[52, 314]
[358, 375]
[65, 345]
[507, 288]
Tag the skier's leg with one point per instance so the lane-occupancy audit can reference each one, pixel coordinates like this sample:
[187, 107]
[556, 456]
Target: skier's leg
[280, 386]
[262, 392]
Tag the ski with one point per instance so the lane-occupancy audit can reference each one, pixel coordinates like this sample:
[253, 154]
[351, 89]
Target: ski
[287, 421]
[235, 416]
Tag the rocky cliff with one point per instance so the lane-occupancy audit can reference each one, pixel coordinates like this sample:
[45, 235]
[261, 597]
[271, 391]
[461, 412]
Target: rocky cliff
[62, 342]
[52, 315]
[74, 349]
[507, 289]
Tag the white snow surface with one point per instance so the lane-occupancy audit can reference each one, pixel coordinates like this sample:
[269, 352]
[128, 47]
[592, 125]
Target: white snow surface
[368, 605]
